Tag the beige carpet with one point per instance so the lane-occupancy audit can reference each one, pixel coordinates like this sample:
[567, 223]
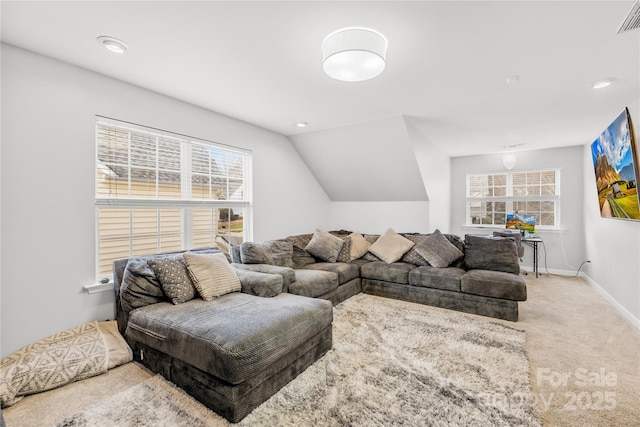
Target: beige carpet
[584, 363]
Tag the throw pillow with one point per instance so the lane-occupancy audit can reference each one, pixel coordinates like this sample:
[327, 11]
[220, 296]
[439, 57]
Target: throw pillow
[413, 257]
[391, 246]
[485, 252]
[212, 275]
[345, 252]
[359, 245]
[174, 278]
[324, 245]
[437, 250]
[140, 286]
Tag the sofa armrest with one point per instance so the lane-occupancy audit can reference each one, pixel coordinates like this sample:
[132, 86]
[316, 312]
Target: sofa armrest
[259, 284]
[288, 274]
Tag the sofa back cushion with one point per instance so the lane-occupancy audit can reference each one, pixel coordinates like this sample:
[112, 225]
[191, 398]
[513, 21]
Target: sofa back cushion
[274, 252]
[483, 252]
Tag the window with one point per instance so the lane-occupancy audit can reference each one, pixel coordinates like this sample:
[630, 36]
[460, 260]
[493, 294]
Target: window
[491, 196]
[158, 192]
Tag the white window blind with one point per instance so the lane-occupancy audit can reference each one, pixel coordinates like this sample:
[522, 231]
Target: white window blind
[158, 191]
[491, 196]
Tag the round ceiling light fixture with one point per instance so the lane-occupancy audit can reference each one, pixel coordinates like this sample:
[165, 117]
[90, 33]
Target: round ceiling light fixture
[354, 54]
[113, 44]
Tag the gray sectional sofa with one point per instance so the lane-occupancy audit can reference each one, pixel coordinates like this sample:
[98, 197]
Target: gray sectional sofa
[232, 334]
[483, 280]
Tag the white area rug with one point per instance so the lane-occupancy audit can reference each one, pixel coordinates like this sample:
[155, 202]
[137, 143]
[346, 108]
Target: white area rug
[392, 363]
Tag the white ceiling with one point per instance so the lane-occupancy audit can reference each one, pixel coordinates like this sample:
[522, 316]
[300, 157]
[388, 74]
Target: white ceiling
[447, 62]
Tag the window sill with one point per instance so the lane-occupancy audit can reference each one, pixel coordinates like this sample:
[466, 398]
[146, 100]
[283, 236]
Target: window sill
[498, 227]
[94, 288]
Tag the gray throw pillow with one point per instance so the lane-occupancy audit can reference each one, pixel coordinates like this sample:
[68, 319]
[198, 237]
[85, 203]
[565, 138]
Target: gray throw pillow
[174, 278]
[413, 257]
[437, 250]
[345, 252]
[324, 245]
[484, 252]
[140, 286]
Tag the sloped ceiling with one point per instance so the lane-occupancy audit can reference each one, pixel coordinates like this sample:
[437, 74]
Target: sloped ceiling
[372, 161]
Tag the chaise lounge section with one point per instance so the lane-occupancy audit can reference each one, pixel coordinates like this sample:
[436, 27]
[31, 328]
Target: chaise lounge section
[231, 352]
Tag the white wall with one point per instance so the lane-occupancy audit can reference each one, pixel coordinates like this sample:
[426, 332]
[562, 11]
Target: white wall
[47, 177]
[377, 217]
[612, 245]
[435, 169]
[565, 248]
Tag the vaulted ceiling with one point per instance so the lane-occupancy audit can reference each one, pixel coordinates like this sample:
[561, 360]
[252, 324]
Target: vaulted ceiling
[447, 64]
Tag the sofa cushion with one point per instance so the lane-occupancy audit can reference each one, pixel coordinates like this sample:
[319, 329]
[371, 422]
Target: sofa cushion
[140, 286]
[391, 246]
[300, 256]
[437, 250]
[234, 337]
[437, 278]
[212, 275]
[257, 283]
[275, 252]
[397, 272]
[359, 245]
[174, 278]
[485, 252]
[496, 284]
[324, 245]
[313, 283]
[288, 274]
[345, 272]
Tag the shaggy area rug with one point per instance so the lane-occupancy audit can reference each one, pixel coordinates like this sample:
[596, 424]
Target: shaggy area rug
[392, 363]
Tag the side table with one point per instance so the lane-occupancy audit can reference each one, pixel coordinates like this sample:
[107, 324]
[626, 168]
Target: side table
[533, 242]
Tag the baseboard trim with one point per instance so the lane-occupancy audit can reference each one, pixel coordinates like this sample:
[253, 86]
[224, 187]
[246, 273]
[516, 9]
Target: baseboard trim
[621, 309]
[529, 270]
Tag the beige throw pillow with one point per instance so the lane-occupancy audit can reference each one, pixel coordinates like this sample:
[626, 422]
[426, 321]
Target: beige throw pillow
[212, 275]
[391, 246]
[359, 245]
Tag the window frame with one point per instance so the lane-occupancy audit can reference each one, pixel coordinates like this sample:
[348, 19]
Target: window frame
[509, 199]
[185, 202]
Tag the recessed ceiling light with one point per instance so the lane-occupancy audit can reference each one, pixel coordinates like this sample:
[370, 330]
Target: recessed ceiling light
[512, 146]
[113, 44]
[599, 84]
[513, 79]
[302, 124]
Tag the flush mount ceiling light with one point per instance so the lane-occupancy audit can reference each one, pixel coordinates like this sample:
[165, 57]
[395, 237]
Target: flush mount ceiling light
[599, 84]
[113, 44]
[302, 124]
[354, 54]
